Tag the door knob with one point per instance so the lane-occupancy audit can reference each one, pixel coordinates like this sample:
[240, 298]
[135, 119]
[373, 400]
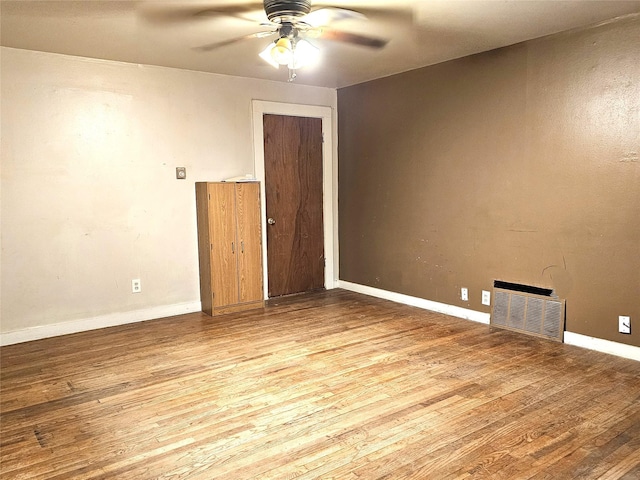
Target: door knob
[271, 221]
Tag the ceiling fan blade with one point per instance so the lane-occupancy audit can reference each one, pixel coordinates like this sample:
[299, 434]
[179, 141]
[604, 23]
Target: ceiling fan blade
[212, 46]
[237, 11]
[353, 38]
[325, 16]
[174, 12]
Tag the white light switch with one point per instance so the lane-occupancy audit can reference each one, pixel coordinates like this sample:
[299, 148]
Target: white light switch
[624, 324]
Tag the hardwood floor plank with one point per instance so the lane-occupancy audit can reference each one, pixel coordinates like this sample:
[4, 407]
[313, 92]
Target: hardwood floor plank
[483, 427]
[328, 385]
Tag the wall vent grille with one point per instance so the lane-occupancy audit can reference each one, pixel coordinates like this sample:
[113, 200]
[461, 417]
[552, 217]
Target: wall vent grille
[527, 309]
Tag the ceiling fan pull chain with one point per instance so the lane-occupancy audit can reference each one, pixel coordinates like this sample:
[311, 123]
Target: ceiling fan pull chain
[292, 75]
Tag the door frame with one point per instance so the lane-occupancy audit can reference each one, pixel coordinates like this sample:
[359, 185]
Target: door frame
[329, 179]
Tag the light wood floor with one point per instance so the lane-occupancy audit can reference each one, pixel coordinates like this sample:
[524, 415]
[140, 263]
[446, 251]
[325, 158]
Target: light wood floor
[332, 385]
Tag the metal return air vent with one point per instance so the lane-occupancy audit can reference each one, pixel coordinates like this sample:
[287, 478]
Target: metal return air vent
[528, 309]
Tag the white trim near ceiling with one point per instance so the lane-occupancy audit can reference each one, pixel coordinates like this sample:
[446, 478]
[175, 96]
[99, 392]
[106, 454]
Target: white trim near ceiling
[329, 173]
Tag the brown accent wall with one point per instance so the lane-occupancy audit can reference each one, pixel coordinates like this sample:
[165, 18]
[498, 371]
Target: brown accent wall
[520, 164]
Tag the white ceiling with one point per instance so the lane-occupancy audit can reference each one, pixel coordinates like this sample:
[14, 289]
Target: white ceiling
[165, 33]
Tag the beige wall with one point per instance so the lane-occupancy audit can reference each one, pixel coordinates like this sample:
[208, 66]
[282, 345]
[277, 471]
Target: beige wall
[519, 164]
[89, 195]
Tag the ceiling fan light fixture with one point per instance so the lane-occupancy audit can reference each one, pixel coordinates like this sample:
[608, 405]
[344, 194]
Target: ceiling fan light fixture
[282, 51]
[266, 56]
[304, 55]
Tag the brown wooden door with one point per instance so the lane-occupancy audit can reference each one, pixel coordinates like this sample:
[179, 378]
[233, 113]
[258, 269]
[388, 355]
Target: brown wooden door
[250, 254]
[222, 232]
[293, 186]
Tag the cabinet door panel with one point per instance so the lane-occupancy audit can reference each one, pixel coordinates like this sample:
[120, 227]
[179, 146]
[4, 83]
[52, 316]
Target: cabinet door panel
[250, 255]
[224, 248]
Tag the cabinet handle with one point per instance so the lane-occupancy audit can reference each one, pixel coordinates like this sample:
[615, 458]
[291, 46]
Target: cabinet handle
[233, 248]
[242, 246]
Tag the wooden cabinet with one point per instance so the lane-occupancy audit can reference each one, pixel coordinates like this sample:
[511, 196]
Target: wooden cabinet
[229, 245]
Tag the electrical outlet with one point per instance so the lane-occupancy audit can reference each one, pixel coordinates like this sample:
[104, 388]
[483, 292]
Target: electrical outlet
[464, 294]
[136, 286]
[624, 324]
[486, 297]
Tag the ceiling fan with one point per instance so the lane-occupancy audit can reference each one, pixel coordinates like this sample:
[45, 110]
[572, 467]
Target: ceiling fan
[292, 23]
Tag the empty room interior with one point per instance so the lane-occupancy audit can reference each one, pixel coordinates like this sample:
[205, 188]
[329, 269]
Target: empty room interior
[338, 240]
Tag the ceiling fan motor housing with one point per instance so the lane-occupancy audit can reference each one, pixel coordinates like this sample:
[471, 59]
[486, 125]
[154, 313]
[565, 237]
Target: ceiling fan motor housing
[277, 10]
